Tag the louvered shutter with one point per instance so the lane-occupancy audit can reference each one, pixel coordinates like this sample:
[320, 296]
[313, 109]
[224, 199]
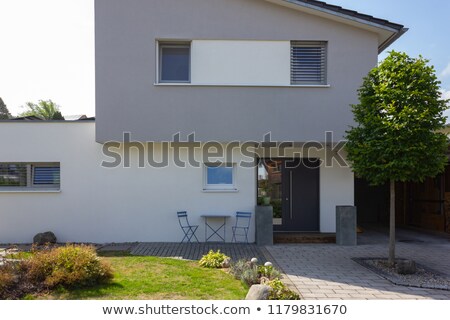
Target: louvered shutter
[308, 63]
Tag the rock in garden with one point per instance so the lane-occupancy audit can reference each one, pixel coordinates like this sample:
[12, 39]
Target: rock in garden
[258, 292]
[45, 237]
[226, 263]
[405, 267]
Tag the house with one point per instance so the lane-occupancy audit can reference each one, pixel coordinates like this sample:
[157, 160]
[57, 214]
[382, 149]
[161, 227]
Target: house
[190, 96]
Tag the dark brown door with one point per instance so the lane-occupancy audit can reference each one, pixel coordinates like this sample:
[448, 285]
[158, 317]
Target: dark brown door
[301, 195]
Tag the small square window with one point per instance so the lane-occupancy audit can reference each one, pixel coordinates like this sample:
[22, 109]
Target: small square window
[308, 63]
[219, 177]
[174, 62]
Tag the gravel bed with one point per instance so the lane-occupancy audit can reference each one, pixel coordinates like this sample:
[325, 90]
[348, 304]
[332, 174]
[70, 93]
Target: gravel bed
[423, 278]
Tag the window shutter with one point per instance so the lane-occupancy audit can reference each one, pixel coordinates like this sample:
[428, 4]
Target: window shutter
[308, 62]
[46, 176]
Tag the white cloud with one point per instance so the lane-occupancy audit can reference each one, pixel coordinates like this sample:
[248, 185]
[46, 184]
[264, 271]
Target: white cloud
[446, 71]
[446, 94]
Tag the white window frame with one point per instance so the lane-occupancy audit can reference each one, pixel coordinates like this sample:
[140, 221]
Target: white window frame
[172, 44]
[324, 70]
[30, 166]
[219, 187]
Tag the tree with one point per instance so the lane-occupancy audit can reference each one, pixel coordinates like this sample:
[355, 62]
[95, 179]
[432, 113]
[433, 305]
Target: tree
[44, 109]
[4, 112]
[396, 139]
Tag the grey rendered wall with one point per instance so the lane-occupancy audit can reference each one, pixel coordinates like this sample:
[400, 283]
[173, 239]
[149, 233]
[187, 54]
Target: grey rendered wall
[128, 101]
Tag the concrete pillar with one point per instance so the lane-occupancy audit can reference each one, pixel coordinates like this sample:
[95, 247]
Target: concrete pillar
[264, 225]
[346, 225]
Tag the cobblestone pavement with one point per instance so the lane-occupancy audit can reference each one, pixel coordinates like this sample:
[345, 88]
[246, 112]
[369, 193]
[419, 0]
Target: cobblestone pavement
[326, 271]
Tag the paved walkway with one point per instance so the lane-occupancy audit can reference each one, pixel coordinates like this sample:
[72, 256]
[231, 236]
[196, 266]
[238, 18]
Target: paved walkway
[194, 251]
[326, 271]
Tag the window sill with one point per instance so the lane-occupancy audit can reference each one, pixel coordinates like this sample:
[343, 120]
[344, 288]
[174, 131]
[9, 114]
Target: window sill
[220, 190]
[242, 85]
[30, 190]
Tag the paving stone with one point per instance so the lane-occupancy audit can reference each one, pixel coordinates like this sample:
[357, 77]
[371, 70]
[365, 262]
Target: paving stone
[322, 267]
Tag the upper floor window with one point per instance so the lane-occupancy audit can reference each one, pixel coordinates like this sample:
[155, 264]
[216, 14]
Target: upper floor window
[308, 63]
[174, 62]
[26, 176]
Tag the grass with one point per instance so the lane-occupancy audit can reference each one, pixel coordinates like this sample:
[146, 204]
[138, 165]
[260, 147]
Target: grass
[152, 278]
[19, 255]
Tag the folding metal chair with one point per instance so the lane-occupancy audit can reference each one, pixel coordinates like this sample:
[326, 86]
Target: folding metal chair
[242, 225]
[188, 229]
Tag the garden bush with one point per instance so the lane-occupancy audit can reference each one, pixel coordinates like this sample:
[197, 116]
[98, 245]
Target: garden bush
[213, 259]
[7, 280]
[250, 274]
[269, 272]
[68, 266]
[279, 291]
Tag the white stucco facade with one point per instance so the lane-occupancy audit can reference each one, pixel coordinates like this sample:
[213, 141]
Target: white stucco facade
[232, 62]
[96, 204]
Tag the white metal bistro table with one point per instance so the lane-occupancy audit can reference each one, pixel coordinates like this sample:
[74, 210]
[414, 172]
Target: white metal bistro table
[212, 230]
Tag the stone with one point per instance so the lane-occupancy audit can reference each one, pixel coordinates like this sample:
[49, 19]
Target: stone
[254, 260]
[258, 292]
[268, 264]
[405, 267]
[44, 238]
[226, 263]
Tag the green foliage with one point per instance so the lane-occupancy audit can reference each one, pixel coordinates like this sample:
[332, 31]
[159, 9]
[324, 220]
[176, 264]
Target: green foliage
[398, 118]
[269, 272]
[279, 291]
[251, 274]
[277, 207]
[4, 112]
[68, 266]
[213, 259]
[238, 268]
[245, 271]
[44, 109]
[6, 278]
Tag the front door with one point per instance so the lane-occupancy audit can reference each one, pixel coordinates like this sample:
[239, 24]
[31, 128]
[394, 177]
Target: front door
[300, 195]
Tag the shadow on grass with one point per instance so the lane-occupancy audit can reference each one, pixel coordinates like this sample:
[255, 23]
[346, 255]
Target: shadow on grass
[97, 291]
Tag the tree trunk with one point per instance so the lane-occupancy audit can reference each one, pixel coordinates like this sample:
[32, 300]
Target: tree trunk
[392, 226]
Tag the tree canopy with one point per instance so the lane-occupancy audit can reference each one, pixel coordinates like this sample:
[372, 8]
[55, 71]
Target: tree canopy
[4, 112]
[44, 109]
[398, 118]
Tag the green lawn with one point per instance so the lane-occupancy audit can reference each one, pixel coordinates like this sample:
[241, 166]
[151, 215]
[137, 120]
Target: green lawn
[146, 278]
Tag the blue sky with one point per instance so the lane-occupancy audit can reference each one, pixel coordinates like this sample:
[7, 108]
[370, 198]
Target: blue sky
[429, 29]
[47, 49]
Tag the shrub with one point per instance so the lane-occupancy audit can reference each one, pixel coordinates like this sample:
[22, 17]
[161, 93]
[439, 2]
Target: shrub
[269, 272]
[245, 271]
[68, 266]
[238, 268]
[250, 276]
[250, 273]
[213, 259]
[12, 285]
[7, 279]
[279, 291]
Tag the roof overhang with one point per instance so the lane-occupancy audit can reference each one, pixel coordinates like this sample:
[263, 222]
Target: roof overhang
[387, 32]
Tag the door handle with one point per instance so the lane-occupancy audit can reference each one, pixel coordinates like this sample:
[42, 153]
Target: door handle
[290, 193]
